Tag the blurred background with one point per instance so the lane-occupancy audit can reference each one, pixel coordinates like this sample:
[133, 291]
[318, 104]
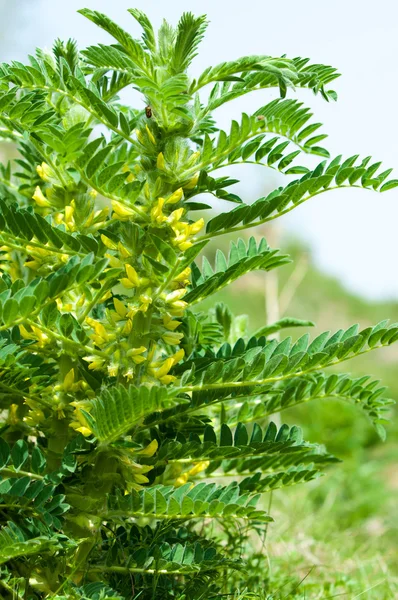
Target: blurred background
[338, 536]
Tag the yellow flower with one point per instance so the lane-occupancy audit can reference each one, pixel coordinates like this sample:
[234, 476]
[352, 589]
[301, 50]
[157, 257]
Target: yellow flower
[150, 450]
[172, 337]
[157, 212]
[132, 275]
[183, 276]
[165, 368]
[113, 370]
[80, 424]
[169, 323]
[40, 198]
[69, 220]
[36, 334]
[135, 354]
[95, 362]
[146, 301]
[44, 171]
[175, 216]
[196, 227]
[123, 213]
[177, 308]
[101, 335]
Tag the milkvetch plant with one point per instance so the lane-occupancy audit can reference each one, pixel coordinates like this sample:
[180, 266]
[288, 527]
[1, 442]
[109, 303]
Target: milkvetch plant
[136, 431]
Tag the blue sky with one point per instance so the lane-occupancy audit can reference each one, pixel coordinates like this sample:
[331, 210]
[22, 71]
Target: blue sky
[353, 233]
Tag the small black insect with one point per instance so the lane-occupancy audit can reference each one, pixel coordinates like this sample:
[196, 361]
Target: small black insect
[148, 112]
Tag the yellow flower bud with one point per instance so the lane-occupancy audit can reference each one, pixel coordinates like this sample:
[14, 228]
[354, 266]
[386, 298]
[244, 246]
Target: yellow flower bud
[140, 478]
[69, 380]
[139, 135]
[119, 307]
[150, 135]
[132, 275]
[181, 480]
[124, 253]
[199, 467]
[192, 182]
[114, 261]
[176, 295]
[107, 242]
[179, 355]
[128, 327]
[167, 379]
[175, 197]
[135, 351]
[160, 163]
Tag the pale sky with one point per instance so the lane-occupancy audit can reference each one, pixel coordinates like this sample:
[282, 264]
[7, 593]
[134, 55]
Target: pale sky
[353, 233]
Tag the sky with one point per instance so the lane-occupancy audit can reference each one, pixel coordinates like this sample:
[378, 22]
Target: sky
[352, 233]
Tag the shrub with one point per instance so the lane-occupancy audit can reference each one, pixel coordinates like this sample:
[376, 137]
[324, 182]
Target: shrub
[122, 404]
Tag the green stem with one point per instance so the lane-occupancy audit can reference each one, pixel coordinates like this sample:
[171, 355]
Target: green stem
[12, 472]
[239, 384]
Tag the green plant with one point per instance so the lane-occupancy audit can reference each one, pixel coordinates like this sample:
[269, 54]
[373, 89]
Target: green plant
[121, 404]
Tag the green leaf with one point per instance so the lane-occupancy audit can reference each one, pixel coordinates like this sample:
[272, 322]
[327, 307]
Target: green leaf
[241, 259]
[117, 410]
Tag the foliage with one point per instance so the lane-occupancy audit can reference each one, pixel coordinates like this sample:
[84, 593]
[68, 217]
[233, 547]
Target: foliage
[117, 398]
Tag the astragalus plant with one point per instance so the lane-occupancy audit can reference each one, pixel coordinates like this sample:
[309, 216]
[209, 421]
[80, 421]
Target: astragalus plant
[136, 437]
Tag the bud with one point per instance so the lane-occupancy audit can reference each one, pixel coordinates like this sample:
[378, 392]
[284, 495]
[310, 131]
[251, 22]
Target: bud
[175, 197]
[160, 161]
[150, 135]
[192, 182]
